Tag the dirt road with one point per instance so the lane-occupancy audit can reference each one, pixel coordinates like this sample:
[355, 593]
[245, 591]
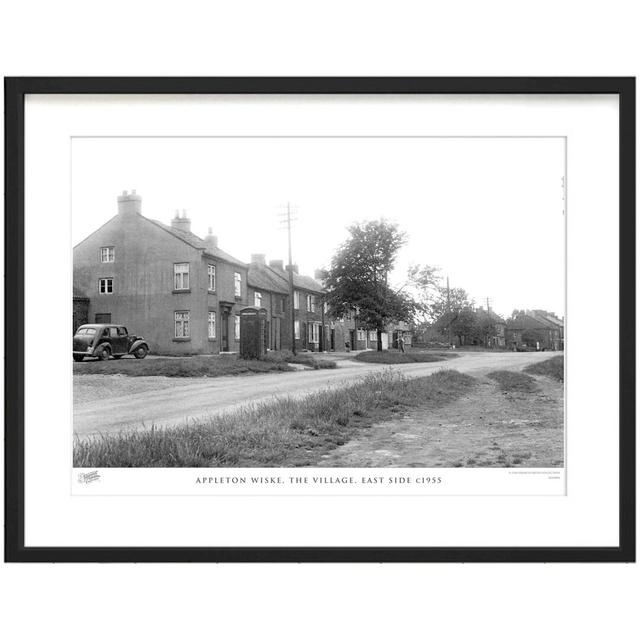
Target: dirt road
[485, 428]
[129, 402]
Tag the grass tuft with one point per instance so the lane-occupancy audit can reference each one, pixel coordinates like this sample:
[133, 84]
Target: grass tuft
[513, 381]
[305, 359]
[552, 368]
[284, 432]
[397, 357]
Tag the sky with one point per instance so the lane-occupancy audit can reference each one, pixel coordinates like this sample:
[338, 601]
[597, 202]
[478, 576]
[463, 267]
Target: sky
[489, 212]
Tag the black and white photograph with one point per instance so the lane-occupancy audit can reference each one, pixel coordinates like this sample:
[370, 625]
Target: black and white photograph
[318, 301]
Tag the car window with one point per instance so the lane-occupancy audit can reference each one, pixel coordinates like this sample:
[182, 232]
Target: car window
[105, 333]
[86, 331]
[113, 332]
[122, 331]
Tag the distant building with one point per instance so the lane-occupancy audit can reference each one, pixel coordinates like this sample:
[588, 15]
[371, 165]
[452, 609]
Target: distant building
[535, 329]
[492, 328]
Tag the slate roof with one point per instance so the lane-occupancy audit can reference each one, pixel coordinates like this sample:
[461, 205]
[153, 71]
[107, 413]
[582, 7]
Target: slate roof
[299, 282]
[493, 315]
[262, 277]
[525, 321]
[198, 243]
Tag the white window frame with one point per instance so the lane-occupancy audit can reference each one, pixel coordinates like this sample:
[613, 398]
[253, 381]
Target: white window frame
[107, 282]
[313, 332]
[313, 303]
[237, 284]
[373, 336]
[257, 299]
[296, 299]
[211, 325]
[362, 334]
[181, 276]
[296, 329]
[182, 324]
[110, 254]
[211, 277]
[236, 327]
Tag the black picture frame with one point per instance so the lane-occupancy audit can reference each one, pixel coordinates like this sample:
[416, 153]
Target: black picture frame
[15, 91]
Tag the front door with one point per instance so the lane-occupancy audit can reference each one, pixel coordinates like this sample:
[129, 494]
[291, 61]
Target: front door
[224, 329]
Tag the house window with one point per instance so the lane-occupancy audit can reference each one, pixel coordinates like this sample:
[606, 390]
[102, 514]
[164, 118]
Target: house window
[282, 305]
[211, 274]
[373, 336]
[182, 324]
[237, 280]
[311, 304]
[211, 325]
[296, 329]
[362, 335]
[181, 275]
[257, 299]
[236, 327]
[296, 299]
[313, 332]
[107, 254]
[105, 285]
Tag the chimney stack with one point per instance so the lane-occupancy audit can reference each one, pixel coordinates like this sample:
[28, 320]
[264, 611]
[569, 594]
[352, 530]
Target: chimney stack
[258, 258]
[292, 267]
[277, 264]
[129, 203]
[181, 222]
[210, 241]
[320, 274]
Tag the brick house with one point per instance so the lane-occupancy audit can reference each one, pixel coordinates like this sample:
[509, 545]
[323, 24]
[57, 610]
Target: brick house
[269, 291]
[535, 329]
[310, 322]
[182, 292]
[493, 326]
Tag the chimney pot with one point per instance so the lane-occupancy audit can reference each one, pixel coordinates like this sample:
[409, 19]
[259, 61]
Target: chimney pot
[277, 264]
[181, 223]
[211, 241]
[129, 203]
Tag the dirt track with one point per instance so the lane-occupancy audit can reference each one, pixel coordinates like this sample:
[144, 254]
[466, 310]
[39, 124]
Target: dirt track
[129, 402]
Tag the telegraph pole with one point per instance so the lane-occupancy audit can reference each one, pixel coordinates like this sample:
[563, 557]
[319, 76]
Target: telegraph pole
[287, 220]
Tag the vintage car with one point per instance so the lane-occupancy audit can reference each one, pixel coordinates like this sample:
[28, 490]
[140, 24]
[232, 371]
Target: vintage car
[105, 340]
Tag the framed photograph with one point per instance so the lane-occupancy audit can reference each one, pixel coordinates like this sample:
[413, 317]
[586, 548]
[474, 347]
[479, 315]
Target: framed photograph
[320, 319]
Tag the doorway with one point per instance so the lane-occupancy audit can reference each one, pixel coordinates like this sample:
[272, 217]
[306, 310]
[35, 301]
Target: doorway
[224, 328]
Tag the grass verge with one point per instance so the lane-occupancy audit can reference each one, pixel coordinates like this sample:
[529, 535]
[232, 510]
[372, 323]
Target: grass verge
[397, 357]
[552, 368]
[284, 432]
[511, 381]
[307, 359]
[197, 366]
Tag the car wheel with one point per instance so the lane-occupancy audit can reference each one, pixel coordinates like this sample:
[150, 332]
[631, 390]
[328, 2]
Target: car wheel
[78, 358]
[140, 352]
[105, 353]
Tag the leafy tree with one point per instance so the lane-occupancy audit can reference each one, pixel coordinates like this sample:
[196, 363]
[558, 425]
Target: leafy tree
[358, 279]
